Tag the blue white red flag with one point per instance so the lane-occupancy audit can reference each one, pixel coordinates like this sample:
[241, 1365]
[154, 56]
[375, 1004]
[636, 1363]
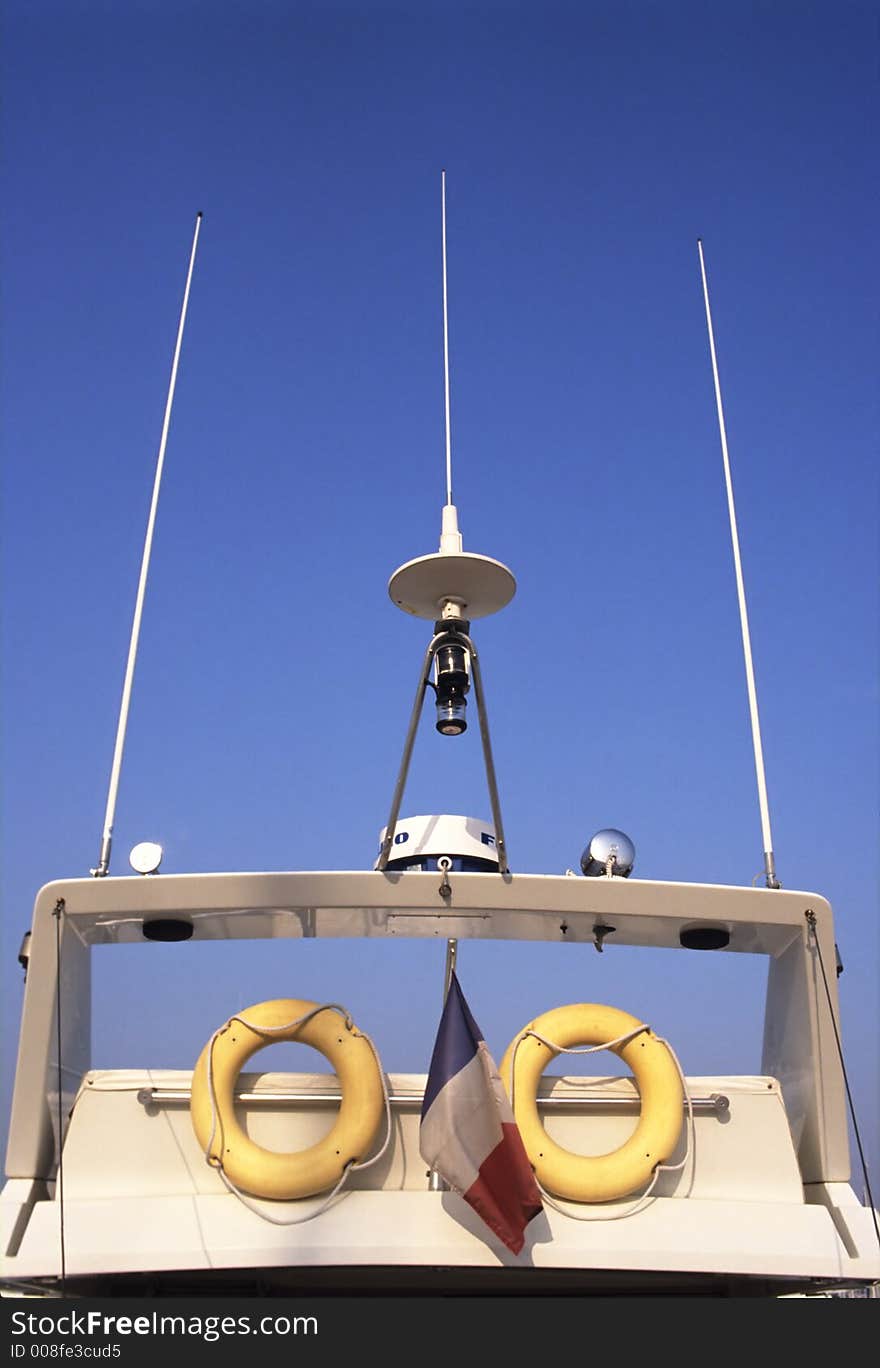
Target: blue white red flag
[468, 1133]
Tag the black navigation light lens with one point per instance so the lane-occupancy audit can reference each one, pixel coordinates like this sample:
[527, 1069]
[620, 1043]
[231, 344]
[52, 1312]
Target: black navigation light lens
[451, 720]
[452, 685]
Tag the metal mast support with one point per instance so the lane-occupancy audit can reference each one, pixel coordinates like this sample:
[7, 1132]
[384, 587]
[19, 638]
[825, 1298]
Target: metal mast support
[449, 636]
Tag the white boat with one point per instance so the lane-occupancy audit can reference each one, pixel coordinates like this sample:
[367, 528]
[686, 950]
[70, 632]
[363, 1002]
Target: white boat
[763, 1204]
[755, 1196]
[117, 1185]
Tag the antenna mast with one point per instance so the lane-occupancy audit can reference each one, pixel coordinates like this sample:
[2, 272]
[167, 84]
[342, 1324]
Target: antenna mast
[446, 345]
[449, 588]
[107, 838]
[769, 866]
[450, 537]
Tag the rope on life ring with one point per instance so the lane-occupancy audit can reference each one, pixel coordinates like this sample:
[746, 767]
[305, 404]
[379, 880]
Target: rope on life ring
[604, 1177]
[265, 1173]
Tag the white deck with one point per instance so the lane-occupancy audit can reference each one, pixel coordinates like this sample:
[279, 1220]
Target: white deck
[139, 1197]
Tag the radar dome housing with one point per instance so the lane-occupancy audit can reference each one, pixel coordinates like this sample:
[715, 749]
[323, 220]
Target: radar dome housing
[465, 842]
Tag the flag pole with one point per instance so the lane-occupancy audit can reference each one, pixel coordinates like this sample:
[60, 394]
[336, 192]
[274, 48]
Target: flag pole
[451, 952]
[435, 1182]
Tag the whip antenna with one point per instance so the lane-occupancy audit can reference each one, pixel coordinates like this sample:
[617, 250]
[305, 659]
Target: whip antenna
[450, 537]
[769, 866]
[107, 837]
[446, 342]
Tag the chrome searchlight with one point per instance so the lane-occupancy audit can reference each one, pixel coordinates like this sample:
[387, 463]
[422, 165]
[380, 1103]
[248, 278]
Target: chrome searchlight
[610, 854]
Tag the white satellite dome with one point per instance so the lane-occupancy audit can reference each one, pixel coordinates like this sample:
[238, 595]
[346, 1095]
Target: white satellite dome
[419, 842]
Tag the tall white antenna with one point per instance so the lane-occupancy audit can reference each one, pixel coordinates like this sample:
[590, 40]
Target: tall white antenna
[446, 345]
[450, 537]
[107, 837]
[769, 866]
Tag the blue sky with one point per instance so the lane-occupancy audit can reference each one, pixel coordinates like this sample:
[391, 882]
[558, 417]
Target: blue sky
[587, 147]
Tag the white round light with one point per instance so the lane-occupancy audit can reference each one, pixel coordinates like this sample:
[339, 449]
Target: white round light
[146, 857]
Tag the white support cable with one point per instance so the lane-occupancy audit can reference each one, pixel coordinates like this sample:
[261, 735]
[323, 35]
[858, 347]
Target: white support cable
[109, 816]
[769, 866]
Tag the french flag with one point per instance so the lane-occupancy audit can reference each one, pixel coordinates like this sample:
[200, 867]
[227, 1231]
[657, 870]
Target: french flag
[468, 1134]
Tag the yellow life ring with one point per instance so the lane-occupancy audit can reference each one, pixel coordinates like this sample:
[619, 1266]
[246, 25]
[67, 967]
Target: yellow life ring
[262, 1172]
[604, 1177]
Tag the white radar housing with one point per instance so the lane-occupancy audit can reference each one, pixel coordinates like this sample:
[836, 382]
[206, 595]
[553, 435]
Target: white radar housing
[419, 842]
